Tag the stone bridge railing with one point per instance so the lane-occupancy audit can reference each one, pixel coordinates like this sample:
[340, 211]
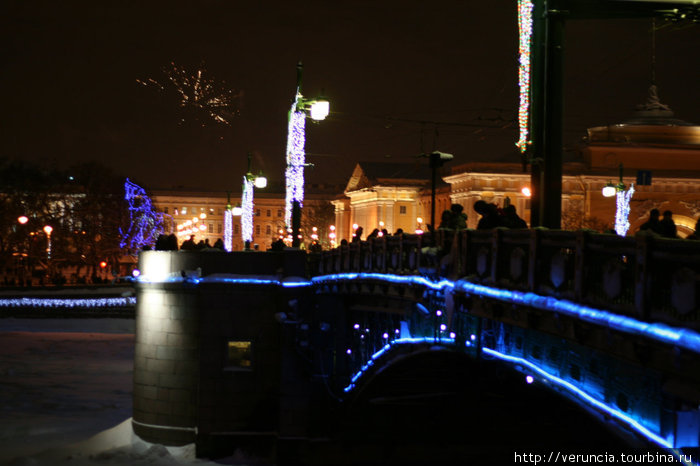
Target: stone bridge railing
[646, 277]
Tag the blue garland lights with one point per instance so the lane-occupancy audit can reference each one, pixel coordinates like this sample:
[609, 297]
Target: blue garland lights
[83, 303]
[145, 224]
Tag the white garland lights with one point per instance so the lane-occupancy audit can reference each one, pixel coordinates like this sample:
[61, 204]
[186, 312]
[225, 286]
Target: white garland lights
[525, 8]
[622, 212]
[228, 230]
[247, 214]
[294, 172]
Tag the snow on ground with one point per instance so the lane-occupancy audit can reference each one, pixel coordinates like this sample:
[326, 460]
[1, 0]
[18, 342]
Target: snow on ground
[65, 396]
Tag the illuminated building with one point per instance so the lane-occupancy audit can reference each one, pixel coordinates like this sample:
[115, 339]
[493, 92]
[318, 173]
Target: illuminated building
[653, 144]
[268, 214]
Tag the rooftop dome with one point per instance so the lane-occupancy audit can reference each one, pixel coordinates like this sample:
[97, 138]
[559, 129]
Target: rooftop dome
[652, 123]
[654, 113]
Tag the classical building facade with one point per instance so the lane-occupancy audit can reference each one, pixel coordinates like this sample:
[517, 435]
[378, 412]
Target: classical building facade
[654, 148]
[203, 214]
[387, 196]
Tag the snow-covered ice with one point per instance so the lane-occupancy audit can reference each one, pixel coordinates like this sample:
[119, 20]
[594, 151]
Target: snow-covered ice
[66, 396]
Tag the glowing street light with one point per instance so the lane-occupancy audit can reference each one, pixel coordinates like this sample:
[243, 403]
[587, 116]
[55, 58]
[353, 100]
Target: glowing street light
[22, 220]
[296, 138]
[48, 229]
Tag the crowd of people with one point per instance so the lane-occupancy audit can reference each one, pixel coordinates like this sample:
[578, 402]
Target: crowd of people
[452, 219]
[665, 226]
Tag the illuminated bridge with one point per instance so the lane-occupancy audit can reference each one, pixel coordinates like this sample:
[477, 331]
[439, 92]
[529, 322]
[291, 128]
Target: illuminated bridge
[238, 348]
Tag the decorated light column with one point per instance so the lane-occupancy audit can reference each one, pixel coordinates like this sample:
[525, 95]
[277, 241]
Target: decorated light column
[525, 8]
[296, 138]
[250, 182]
[623, 198]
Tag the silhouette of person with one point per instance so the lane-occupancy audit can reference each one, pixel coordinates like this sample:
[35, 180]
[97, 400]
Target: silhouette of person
[172, 242]
[188, 244]
[446, 220]
[161, 243]
[459, 218]
[358, 235]
[490, 218]
[511, 219]
[652, 224]
[667, 227]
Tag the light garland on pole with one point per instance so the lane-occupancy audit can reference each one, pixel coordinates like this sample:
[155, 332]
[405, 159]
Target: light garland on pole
[228, 228]
[622, 212]
[296, 138]
[525, 8]
[247, 213]
[622, 204]
[294, 173]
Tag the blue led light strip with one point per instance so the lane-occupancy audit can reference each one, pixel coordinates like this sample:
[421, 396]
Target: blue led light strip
[560, 383]
[400, 279]
[684, 338]
[619, 415]
[68, 302]
[385, 348]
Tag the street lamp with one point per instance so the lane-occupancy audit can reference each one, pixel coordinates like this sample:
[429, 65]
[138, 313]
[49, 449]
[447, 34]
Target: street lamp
[250, 181]
[624, 196]
[48, 229]
[437, 160]
[296, 138]
[22, 219]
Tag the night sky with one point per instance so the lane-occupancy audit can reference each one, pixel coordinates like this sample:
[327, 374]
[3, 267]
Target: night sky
[70, 93]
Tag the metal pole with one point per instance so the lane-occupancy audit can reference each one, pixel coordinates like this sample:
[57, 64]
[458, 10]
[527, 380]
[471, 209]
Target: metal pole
[296, 223]
[434, 164]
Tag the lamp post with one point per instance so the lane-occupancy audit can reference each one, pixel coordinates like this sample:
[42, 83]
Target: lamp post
[437, 160]
[48, 229]
[622, 210]
[250, 182]
[296, 137]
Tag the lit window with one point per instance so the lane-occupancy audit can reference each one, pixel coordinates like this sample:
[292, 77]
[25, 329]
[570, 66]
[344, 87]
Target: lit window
[184, 210]
[239, 356]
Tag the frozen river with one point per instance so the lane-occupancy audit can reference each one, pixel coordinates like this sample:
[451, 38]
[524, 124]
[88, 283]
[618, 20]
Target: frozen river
[65, 395]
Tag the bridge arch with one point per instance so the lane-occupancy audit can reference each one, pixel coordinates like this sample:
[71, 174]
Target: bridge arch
[430, 391]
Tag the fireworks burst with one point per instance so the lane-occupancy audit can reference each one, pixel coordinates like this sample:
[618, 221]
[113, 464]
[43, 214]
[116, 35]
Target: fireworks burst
[196, 92]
